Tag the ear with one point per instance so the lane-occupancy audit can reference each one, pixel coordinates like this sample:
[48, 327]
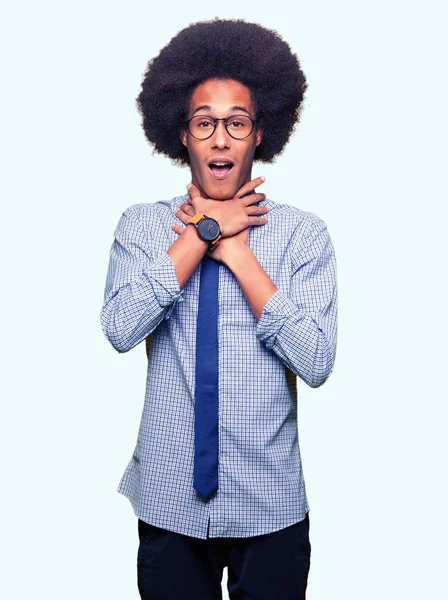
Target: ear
[183, 136]
[259, 134]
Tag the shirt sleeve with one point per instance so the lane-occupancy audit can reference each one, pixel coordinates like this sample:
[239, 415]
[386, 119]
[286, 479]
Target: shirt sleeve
[141, 289]
[302, 328]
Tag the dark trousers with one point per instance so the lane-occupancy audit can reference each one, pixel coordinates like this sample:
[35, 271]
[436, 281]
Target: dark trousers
[173, 566]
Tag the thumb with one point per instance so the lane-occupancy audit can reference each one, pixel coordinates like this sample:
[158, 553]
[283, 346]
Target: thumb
[193, 191]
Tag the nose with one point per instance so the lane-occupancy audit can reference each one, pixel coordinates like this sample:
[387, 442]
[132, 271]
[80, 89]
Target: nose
[220, 137]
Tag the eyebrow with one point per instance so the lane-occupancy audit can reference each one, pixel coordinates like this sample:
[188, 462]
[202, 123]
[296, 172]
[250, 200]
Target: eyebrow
[207, 107]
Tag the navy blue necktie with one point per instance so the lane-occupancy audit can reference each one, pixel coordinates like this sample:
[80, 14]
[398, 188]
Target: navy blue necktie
[206, 391]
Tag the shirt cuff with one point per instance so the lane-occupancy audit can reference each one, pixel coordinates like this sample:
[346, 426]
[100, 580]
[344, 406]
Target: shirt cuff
[275, 312]
[165, 283]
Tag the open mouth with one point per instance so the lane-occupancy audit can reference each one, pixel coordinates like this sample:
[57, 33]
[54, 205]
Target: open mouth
[220, 169]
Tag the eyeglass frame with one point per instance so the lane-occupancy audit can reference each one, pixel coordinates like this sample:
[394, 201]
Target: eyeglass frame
[215, 123]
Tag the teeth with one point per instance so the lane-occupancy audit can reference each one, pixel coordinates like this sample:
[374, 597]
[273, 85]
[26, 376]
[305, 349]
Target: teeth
[220, 164]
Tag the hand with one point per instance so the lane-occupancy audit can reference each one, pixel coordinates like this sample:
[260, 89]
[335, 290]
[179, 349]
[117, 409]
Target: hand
[225, 245]
[228, 245]
[235, 214]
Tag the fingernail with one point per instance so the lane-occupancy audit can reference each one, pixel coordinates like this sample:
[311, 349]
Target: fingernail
[263, 178]
[188, 186]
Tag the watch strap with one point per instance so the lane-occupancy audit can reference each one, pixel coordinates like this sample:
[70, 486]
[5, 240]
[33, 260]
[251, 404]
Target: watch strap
[194, 220]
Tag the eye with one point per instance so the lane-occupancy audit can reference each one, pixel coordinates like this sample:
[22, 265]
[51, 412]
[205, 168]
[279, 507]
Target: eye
[239, 122]
[202, 122]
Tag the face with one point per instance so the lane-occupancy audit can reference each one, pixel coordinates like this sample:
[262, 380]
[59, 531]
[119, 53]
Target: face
[221, 98]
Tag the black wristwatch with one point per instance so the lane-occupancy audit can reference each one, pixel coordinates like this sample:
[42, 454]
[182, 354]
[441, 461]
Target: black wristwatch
[207, 228]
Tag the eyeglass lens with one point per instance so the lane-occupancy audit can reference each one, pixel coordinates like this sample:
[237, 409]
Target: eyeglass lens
[238, 126]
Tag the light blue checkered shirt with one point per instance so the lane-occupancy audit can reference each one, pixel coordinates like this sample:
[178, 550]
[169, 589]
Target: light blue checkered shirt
[261, 487]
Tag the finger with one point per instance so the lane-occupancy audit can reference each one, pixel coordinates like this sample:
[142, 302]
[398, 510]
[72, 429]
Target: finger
[257, 220]
[187, 208]
[253, 199]
[177, 228]
[193, 191]
[180, 214]
[184, 208]
[257, 210]
[249, 186]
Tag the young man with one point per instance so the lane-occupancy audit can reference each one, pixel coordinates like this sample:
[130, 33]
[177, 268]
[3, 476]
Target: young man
[216, 477]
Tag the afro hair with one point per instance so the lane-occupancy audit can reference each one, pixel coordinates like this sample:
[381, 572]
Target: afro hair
[234, 49]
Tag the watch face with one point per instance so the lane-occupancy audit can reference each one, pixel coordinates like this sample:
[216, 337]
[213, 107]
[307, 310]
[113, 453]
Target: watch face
[209, 229]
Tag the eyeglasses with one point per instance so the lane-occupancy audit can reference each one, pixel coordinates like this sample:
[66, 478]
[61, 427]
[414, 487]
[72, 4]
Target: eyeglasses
[237, 126]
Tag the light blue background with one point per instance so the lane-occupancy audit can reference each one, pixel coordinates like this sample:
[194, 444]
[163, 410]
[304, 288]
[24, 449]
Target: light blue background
[369, 157]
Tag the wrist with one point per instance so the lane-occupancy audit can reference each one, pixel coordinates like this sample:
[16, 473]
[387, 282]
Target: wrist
[237, 255]
[207, 229]
[191, 234]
